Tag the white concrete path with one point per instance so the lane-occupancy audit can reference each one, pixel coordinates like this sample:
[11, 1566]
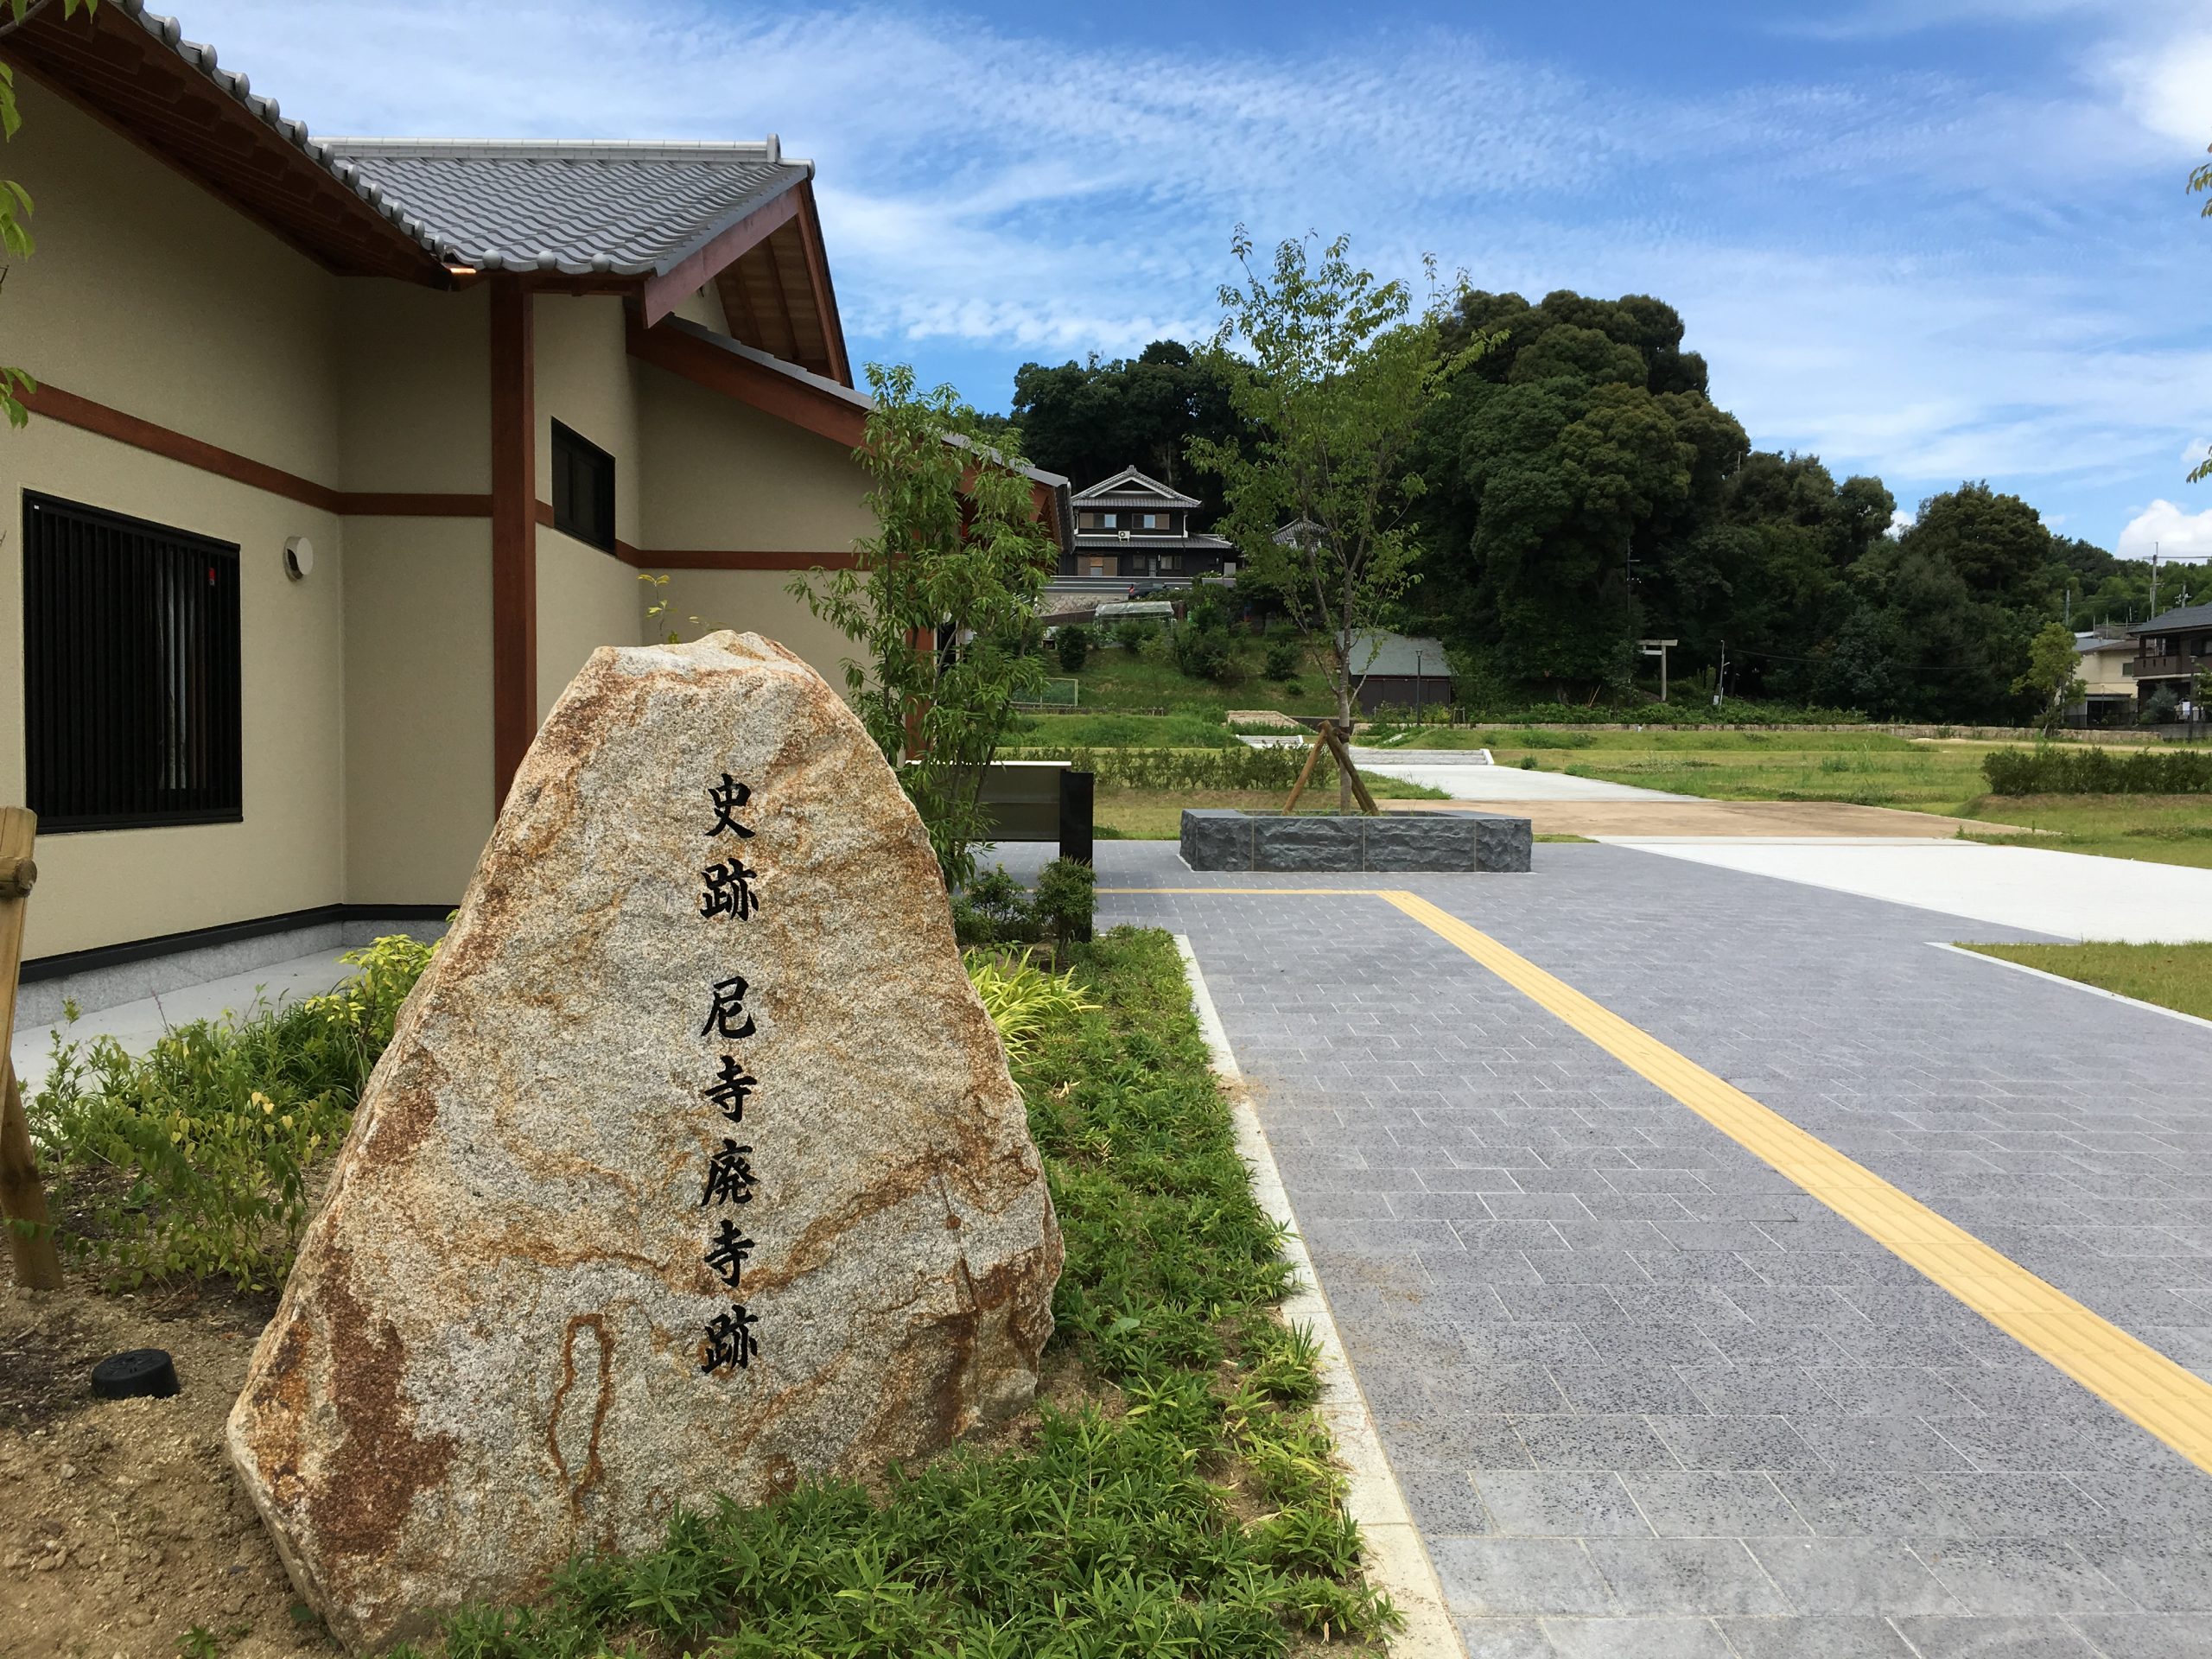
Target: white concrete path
[2070, 896]
[137, 1026]
[1464, 778]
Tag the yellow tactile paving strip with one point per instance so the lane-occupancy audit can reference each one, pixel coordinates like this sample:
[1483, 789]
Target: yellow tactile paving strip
[2132, 1377]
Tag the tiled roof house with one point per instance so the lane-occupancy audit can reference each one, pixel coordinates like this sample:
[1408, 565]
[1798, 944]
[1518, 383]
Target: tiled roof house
[346, 452]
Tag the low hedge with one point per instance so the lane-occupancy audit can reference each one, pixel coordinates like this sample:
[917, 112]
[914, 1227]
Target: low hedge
[2066, 770]
[1242, 767]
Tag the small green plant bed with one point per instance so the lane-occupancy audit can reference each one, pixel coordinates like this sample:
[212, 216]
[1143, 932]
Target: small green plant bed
[2178, 976]
[1179, 1499]
[2055, 769]
[2152, 829]
[191, 1161]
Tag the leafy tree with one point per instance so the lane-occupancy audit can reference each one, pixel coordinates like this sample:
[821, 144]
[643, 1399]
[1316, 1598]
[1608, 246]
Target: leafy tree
[2051, 677]
[1072, 645]
[1333, 373]
[1089, 420]
[1577, 458]
[938, 602]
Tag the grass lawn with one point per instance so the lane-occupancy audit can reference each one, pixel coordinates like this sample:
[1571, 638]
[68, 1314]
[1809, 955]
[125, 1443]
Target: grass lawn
[2159, 829]
[1114, 680]
[2173, 975]
[1157, 815]
[1111, 731]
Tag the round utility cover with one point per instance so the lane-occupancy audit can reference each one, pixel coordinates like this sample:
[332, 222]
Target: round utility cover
[138, 1371]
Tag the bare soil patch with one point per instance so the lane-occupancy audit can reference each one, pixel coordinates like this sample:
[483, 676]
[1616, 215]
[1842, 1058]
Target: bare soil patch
[126, 1528]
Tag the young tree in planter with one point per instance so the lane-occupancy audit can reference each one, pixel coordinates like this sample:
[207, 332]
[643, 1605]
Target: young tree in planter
[1332, 371]
[938, 602]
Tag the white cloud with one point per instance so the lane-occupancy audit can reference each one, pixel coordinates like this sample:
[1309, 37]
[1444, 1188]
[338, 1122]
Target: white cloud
[2174, 533]
[1900, 522]
[1906, 270]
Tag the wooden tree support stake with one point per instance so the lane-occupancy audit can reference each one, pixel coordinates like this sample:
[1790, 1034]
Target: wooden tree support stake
[23, 1214]
[1327, 735]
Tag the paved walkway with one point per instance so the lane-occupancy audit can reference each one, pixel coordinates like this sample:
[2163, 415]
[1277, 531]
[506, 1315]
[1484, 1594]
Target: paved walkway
[137, 1026]
[2068, 895]
[1645, 1394]
[1460, 774]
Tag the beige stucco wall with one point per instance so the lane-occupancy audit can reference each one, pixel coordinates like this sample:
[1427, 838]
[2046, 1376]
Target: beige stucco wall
[418, 715]
[288, 854]
[415, 379]
[151, 296]
[585, 599]
[755, 601]
[721, 474]
[587, 381]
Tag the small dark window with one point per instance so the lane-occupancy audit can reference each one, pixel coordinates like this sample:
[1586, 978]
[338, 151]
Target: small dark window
[583, 489]
[130, 671]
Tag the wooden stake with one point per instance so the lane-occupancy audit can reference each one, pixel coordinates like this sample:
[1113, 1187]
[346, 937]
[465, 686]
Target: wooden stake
[22, 1199]
[1313, 754]
[1344, 759]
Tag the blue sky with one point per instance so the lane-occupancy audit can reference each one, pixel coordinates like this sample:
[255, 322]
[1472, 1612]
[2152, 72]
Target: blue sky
[1932, 239]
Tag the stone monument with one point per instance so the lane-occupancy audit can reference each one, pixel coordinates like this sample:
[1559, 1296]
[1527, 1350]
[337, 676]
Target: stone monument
[693, 1168]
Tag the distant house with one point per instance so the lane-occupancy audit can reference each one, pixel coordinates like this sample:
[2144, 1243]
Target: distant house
[1395, 671]
[1130, 528]
[2171, 651]
[2108, 672]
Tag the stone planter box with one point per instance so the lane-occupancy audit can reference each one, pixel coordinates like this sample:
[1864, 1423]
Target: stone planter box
[1410, 842]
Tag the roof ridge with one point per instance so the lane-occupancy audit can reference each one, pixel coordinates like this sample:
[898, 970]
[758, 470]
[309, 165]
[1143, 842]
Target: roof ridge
[756, 151]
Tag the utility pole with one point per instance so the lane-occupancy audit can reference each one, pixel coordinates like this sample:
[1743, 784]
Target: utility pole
[2154, 582]
[1721, 679]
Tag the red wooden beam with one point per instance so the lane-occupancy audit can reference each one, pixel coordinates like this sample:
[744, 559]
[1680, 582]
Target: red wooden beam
[514, 533]
[664, 293]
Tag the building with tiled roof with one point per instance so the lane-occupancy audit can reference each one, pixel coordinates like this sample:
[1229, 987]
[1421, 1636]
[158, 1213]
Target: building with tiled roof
[351, 451]
[1133, 530]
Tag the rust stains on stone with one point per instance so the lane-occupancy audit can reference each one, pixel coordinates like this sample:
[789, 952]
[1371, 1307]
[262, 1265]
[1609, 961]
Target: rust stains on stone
[581, 1487]
[357, 1506]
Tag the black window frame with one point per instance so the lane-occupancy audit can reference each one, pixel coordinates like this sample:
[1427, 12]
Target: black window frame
[119, 733]
[590, 520]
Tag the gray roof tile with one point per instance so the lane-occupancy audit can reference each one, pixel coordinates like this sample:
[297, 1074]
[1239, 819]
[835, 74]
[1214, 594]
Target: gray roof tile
[606, 207]
[572, 208]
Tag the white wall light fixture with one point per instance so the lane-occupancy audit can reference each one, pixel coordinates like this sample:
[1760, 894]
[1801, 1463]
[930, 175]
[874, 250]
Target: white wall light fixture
[299, 557]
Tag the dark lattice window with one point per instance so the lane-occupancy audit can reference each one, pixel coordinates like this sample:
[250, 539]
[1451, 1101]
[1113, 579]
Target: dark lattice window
[583, 489]
[130, 671]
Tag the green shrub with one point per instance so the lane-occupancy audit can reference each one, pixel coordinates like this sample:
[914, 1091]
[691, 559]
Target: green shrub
[1021, 998]
[192, 1160]
[994, 909]
[1283, 658]
[1131, 632]
[1242, 767]
[1066, 898]
[1072, 645]
[2055, 769]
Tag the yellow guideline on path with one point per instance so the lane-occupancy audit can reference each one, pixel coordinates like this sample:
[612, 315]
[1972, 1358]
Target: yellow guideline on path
[2130, 1376]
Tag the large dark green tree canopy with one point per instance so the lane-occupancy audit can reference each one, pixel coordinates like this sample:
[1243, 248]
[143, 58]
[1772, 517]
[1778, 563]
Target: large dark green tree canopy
[1089, 420]
[1583, 491]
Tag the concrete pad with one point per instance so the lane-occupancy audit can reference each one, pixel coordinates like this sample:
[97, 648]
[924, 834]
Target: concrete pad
[1671, 815]
[1463, 781]
[138, 1026]
[2068, 895]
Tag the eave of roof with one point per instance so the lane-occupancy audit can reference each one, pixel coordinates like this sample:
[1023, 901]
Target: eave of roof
[438, 212]
[1154, 493]
[2188, 616]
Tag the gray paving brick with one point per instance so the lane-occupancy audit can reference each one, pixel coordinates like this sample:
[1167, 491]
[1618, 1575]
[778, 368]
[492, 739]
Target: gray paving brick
[1684, 1318]
[1814, 1637]
[1685, 1575]
[1485, 1577]
[1637, 1638]
[1705, 1504]
[1560, 1503]
[2001, 1638]
[2023, 1575]
[1851, 1575]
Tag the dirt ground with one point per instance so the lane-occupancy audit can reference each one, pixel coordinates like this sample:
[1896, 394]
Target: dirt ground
[122, 1526]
